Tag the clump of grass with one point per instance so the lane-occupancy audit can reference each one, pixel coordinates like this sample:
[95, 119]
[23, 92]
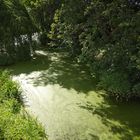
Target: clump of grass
[13, 124]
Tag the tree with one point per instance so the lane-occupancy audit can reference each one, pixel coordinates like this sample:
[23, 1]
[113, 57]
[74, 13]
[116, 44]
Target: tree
[15, 24]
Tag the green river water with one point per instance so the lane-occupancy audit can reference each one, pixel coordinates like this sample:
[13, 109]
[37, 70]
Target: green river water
[61, 94]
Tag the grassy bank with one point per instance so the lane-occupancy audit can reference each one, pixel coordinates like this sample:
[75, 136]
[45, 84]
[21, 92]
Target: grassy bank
[14, 122]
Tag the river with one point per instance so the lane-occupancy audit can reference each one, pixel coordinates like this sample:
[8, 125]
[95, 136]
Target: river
[62, 95]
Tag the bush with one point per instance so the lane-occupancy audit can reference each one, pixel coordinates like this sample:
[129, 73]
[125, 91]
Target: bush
[23, 52]
[6, 59]
[136, 90]
[8, 88]
[43, 38]
[116, 84]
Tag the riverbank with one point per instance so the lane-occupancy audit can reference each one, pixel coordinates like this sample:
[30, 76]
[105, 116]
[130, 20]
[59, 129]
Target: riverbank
[15, 123]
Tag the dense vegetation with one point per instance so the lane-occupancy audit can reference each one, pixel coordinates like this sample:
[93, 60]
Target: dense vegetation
[14, 121]
[103, 34]
[16, 28]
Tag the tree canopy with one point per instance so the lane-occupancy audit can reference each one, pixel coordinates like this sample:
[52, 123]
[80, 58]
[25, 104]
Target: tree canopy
[103, 34]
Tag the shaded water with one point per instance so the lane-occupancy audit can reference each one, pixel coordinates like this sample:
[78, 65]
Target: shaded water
[62, 95]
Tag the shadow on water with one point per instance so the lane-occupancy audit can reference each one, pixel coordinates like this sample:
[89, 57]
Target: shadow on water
[122, 119]
[39, 63]
[57, 68]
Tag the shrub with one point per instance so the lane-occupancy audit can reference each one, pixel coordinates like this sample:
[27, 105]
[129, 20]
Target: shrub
[9, 90]
[23, 52]
[116, 84]
[6, 59]
[136, 90]
[43, 39]
[4, 76]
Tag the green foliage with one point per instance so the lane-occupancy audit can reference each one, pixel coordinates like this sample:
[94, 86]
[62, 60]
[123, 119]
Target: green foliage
[105, 35]
[6, 59]
[13, 124]
[9, 90]
[116, 84]
[43, 38]
[15, 24]
[56, 33]
[42, 12]
[23, 52]
[136, 90]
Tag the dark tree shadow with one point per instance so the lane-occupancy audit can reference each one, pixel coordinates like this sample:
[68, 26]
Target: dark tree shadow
[38, 63]
[57, 68]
